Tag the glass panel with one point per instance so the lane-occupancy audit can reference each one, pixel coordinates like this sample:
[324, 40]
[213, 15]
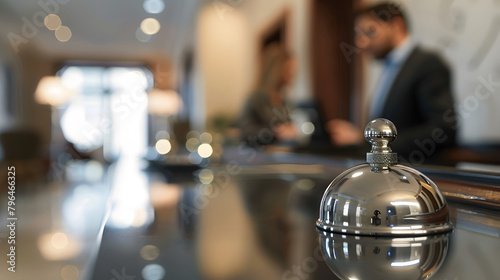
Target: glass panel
[110, 110]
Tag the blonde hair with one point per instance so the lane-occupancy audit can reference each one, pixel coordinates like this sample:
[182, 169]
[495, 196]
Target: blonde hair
[270, 77]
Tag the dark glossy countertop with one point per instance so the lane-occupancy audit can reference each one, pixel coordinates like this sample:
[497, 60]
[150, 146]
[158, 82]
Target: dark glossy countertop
[256, 220]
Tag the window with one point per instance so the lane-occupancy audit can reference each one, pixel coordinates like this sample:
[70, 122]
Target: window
[110, 110]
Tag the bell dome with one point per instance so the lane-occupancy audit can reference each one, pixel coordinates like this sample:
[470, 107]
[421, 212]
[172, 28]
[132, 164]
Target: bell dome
[382, 197]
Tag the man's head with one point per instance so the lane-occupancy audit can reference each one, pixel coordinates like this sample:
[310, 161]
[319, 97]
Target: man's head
[380, 28]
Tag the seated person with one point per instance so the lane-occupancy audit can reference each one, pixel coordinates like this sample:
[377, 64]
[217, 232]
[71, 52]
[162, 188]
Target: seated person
[265, 119]
[414, 91]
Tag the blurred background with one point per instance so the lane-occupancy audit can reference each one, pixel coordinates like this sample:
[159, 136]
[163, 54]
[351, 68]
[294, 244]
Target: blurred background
[195, 63]
[87, 85]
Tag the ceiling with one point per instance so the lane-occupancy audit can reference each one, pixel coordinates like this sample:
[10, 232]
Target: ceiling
[102, 28]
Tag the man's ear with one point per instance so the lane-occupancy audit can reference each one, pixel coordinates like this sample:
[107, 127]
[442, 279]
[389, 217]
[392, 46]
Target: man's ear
[400, 24]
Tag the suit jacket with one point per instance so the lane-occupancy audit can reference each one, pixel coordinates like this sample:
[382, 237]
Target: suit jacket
[420, 103]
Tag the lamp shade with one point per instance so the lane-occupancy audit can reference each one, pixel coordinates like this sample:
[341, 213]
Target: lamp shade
[52, 91]
[164, 102]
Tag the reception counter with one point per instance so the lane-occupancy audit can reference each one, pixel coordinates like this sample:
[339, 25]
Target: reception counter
[252, 216]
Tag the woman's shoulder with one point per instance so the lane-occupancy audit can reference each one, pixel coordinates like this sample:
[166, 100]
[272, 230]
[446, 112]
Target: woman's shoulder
[259, 97]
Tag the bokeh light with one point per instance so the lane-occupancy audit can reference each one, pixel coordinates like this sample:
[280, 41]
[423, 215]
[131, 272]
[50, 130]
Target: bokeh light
[192, 144]
[59, 240]
[141, 36]
[308, 128]
[206, 137]
[149, 252]
[164, 102]
[206, 176]
[74, 125]
[163, 146]
[63, 33]
[205, 150]
[207, 189]
[69, 272]
[153, 272]
[195, 158]
[150, 26]
[52, 22]
[154, 6]
[51, 90]
[57, 245]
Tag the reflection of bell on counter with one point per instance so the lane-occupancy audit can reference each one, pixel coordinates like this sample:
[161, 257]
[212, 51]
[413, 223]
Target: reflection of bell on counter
[381, 197]
[366, 257]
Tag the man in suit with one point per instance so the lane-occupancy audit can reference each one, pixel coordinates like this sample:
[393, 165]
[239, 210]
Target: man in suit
[414, 89]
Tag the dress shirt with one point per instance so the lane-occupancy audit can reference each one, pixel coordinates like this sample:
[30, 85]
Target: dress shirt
[392, 64]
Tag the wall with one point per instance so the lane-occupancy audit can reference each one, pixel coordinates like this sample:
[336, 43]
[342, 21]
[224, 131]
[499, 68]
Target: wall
[31, 114]
[4, 116]
[227, 41]
[224, 55]
[466, 33]
[27, 69]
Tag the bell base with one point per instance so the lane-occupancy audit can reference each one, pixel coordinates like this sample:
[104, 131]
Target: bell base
[401, 231]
